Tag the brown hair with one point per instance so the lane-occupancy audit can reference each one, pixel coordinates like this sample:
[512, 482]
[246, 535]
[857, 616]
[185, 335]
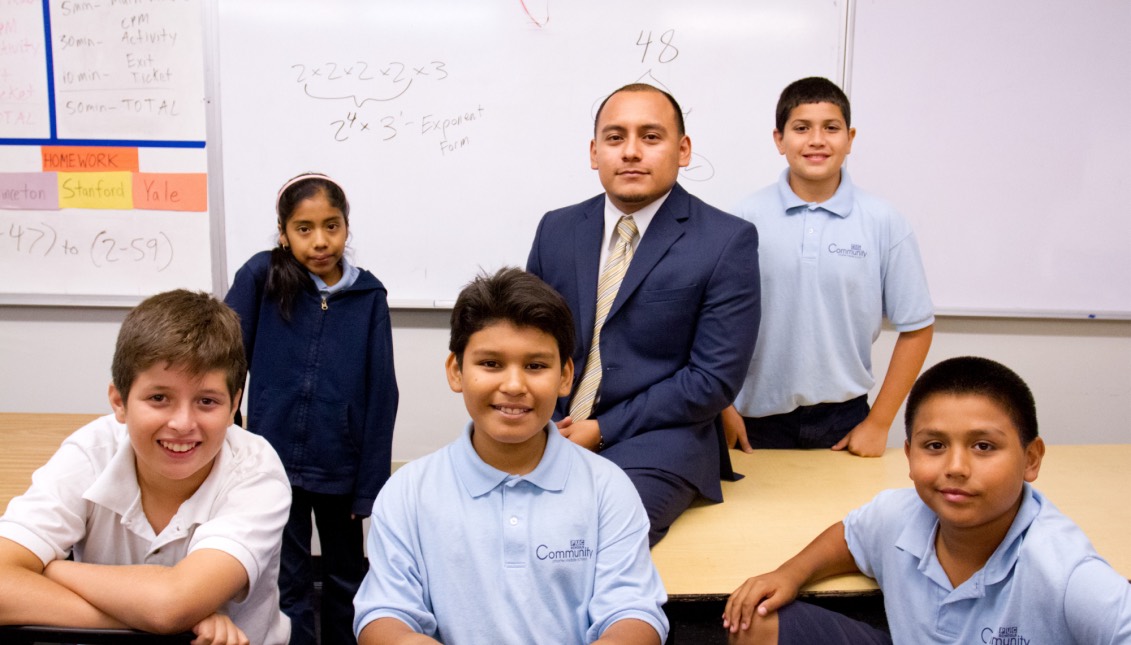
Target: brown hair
[190, 330]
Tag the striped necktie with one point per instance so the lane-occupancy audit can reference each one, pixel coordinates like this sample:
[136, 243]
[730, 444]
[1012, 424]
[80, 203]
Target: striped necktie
[607, 287]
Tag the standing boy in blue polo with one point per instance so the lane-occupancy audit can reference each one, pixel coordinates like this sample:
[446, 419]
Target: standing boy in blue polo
[974, 554]
[835, 261]
[513, 533]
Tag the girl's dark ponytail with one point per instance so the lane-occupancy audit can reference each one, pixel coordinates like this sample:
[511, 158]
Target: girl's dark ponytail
[287, 277]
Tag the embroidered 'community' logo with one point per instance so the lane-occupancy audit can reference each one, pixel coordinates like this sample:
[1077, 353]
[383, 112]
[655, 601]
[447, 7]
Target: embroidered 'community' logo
[1005, 636]
[577, 551]
[853, 251]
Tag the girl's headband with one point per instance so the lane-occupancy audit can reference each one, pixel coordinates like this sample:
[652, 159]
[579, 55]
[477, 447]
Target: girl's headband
[303, 177]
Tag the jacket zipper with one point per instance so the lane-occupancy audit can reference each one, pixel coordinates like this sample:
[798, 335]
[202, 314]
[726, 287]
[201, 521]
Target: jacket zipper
[325, 307]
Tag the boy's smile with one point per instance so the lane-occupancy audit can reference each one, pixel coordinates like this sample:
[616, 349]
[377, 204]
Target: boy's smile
[968, 465]
[815, 143]
[511, 379]
[177, 423]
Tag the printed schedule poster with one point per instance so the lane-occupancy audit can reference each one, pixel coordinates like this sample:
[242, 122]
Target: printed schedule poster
[103, 159]
[124, 70]
[24, 109]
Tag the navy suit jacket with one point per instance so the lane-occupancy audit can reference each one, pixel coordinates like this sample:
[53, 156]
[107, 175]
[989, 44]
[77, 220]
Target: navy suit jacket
[677, 343]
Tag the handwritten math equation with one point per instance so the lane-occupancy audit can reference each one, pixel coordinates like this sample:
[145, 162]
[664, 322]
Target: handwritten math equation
[102, 250]
[387, 127]
[389, 81]
[367, 92]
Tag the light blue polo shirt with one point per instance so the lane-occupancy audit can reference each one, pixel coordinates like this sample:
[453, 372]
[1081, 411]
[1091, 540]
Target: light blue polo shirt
[831, 272]
[1044, 583]
[468, 554]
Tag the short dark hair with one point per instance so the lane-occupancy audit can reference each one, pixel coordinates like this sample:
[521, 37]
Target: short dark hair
[185, 329]
[643, 87]
[515, 296]
[973, 375]
[814, 89]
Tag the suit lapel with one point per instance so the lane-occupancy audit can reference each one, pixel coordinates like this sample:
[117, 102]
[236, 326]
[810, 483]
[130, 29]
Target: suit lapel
[587, 256]
[665, 228]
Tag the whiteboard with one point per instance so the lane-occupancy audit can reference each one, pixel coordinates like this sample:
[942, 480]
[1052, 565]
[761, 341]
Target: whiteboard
[999, 130]
[454, 125]
[103, 168]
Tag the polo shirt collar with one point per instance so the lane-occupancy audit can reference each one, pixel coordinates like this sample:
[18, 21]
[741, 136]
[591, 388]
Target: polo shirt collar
[1001, 562]
[840, 204]
[350, 274]
[1005, 556]
[117, 490]
[479, 478]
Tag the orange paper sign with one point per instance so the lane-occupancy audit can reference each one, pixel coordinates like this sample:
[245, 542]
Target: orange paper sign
[171, 191]
[88, 159]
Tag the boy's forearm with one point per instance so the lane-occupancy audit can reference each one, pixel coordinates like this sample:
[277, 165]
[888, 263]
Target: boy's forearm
[156, 598]
[825, 556]
[907, 359]
[27, 597]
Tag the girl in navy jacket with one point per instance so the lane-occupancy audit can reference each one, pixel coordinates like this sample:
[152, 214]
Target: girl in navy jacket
[323, 391]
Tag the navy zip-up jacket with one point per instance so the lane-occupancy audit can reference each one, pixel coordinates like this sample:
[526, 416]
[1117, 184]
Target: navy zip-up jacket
[323, 390]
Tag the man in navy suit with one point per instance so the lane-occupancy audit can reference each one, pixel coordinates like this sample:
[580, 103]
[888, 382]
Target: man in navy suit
[679, 334]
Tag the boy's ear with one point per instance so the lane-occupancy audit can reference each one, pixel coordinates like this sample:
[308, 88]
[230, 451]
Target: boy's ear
[777, 141]
[455, 376]
[567, 378]
[117, 403]
[907, 454]
[1033, 456]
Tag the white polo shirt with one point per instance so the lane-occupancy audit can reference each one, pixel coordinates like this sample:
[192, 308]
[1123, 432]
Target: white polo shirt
[468, 554]
[86, 499]
[1044, 583]
[831, 272]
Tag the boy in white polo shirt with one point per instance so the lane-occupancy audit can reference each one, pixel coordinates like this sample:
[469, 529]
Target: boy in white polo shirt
[835, 261]
[511, 534]
[974, 554]
[174, 516]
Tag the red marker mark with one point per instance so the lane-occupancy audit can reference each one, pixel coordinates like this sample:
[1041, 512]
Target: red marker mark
[531, 16]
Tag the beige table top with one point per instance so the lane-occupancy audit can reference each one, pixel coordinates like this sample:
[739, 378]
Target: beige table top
[789, 496]
[27, 441]
[785, 500]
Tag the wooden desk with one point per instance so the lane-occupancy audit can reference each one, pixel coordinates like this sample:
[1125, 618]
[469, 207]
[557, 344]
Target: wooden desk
[785, 500]
[28, 441]
[789, 496]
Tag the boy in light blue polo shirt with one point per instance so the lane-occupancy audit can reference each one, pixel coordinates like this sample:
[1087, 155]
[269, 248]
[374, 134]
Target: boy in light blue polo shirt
[511, 534]
[973, 555]
[835, 261]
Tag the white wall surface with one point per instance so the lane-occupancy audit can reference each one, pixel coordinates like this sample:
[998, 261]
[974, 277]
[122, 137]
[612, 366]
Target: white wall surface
[57, 359]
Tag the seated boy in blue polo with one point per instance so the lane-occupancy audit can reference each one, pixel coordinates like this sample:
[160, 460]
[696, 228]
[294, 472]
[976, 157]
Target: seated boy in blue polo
[974, 554]
[512, 533]
[173, 515]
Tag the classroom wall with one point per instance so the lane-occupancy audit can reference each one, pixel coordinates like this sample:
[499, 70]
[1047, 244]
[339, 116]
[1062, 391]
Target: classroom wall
[57, 359]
